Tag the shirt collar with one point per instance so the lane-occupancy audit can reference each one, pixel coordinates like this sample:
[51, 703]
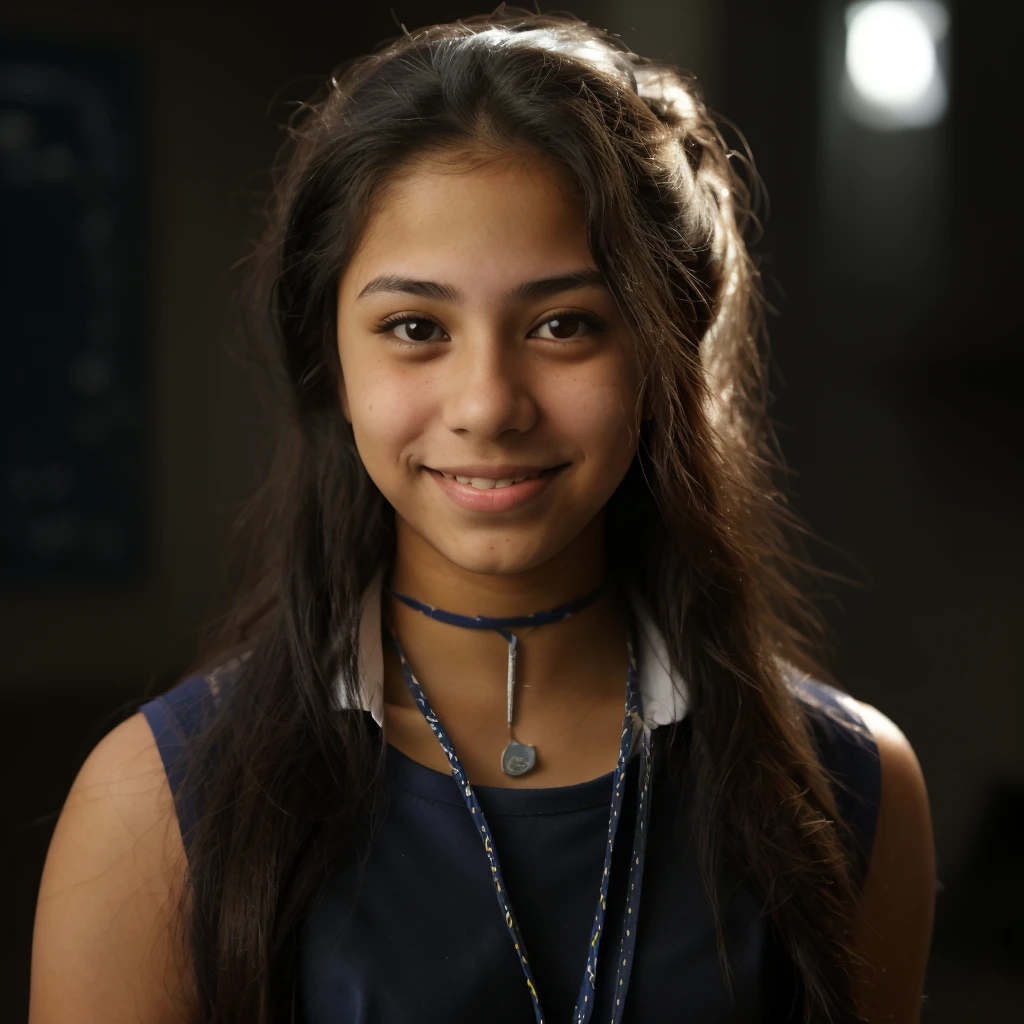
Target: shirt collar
[662, 689]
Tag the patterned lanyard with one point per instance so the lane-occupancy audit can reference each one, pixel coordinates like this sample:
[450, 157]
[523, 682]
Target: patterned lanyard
[631, 725]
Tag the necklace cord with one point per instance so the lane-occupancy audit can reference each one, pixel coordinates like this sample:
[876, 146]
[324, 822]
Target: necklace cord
[502, 624]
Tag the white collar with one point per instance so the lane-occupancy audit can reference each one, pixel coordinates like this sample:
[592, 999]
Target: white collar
[662, 689]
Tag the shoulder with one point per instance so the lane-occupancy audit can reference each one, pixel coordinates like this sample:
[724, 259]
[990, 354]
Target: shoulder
[177, 719]
[893, 923]
[869, 749]
[105, 943]
[850, 753]
[893, 927]
[903, 827]
[903, 785]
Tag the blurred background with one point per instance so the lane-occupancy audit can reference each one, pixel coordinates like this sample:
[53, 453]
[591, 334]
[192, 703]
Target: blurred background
[134, 143]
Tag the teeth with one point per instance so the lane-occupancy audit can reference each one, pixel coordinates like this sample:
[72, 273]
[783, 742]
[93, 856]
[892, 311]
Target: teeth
[483, 483]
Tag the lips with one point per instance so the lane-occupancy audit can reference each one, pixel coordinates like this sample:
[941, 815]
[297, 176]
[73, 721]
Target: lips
[488, 482]
[493, 498]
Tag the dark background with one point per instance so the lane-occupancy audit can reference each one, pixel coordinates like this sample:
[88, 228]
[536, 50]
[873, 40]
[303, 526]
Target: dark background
[891, 259]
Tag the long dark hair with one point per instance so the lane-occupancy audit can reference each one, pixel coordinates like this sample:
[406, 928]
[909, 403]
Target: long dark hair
[698, 524]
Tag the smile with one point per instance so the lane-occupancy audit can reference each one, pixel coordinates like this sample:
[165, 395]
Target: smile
[494, 494]
[482, 483]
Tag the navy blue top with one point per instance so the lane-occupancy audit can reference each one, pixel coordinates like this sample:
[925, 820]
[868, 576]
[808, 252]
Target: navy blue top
[407, 930]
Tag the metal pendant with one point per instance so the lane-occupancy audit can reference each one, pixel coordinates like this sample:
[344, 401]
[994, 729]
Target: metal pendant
[518, 758]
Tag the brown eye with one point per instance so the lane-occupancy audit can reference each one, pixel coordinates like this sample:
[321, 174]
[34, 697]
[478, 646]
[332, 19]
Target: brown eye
[565, 326]
[418, 330]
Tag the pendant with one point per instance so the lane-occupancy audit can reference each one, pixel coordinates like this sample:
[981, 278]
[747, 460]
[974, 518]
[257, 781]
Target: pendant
[518, 758]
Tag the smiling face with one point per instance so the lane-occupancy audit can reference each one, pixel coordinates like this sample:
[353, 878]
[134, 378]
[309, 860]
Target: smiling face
[477, 341]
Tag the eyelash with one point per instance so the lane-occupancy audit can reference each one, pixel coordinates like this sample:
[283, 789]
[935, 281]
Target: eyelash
[595, 323]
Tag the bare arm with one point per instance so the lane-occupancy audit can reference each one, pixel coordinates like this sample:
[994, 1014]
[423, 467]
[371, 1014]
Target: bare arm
[107, 945]
[893, 928]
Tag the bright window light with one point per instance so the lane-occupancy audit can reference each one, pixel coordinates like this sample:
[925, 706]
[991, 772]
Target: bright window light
[893, 75]
[890, 55]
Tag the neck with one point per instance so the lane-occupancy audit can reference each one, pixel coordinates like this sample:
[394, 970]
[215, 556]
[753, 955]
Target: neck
[570, 675]
[560, 664]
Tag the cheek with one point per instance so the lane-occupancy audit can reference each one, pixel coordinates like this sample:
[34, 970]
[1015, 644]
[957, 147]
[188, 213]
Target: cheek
[599, 417]
[387, 414]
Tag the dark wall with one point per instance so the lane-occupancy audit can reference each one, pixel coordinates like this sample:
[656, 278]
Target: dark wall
[889, 260]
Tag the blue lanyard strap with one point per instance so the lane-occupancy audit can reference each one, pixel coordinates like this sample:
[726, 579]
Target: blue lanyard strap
[632, 723]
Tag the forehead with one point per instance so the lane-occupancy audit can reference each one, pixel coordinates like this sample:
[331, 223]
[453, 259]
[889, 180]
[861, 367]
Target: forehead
[481, 221]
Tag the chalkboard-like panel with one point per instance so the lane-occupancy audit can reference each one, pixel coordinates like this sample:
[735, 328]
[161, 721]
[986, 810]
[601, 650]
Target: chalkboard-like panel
[73, 466]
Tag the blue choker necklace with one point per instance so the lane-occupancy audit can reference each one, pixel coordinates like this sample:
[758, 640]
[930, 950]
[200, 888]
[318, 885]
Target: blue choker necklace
[517, 758]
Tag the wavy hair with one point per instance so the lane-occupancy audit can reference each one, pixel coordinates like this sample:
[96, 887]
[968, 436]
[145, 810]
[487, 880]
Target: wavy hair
[698, 524]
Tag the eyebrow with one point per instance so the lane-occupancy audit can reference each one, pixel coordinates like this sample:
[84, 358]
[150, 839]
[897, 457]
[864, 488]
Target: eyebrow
[585, 277]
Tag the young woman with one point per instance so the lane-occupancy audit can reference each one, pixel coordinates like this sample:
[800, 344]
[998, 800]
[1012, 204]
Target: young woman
[519, 719]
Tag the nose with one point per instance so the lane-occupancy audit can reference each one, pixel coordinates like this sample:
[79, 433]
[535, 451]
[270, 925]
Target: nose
[488, 389]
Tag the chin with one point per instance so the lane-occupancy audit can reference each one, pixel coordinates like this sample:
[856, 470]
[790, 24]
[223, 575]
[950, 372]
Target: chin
[491, 554]
[488, 562]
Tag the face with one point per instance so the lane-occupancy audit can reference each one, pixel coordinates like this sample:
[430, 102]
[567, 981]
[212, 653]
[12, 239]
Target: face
[478, 342]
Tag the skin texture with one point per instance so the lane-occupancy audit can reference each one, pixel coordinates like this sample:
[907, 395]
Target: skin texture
[104, 946]
[893, 928]
[491, 385]
[493, 380]
[498, 384]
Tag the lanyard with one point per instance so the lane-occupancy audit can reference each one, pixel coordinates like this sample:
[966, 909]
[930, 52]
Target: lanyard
[631, 725]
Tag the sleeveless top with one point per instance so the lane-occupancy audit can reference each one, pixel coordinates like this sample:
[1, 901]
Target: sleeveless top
[406, 928]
